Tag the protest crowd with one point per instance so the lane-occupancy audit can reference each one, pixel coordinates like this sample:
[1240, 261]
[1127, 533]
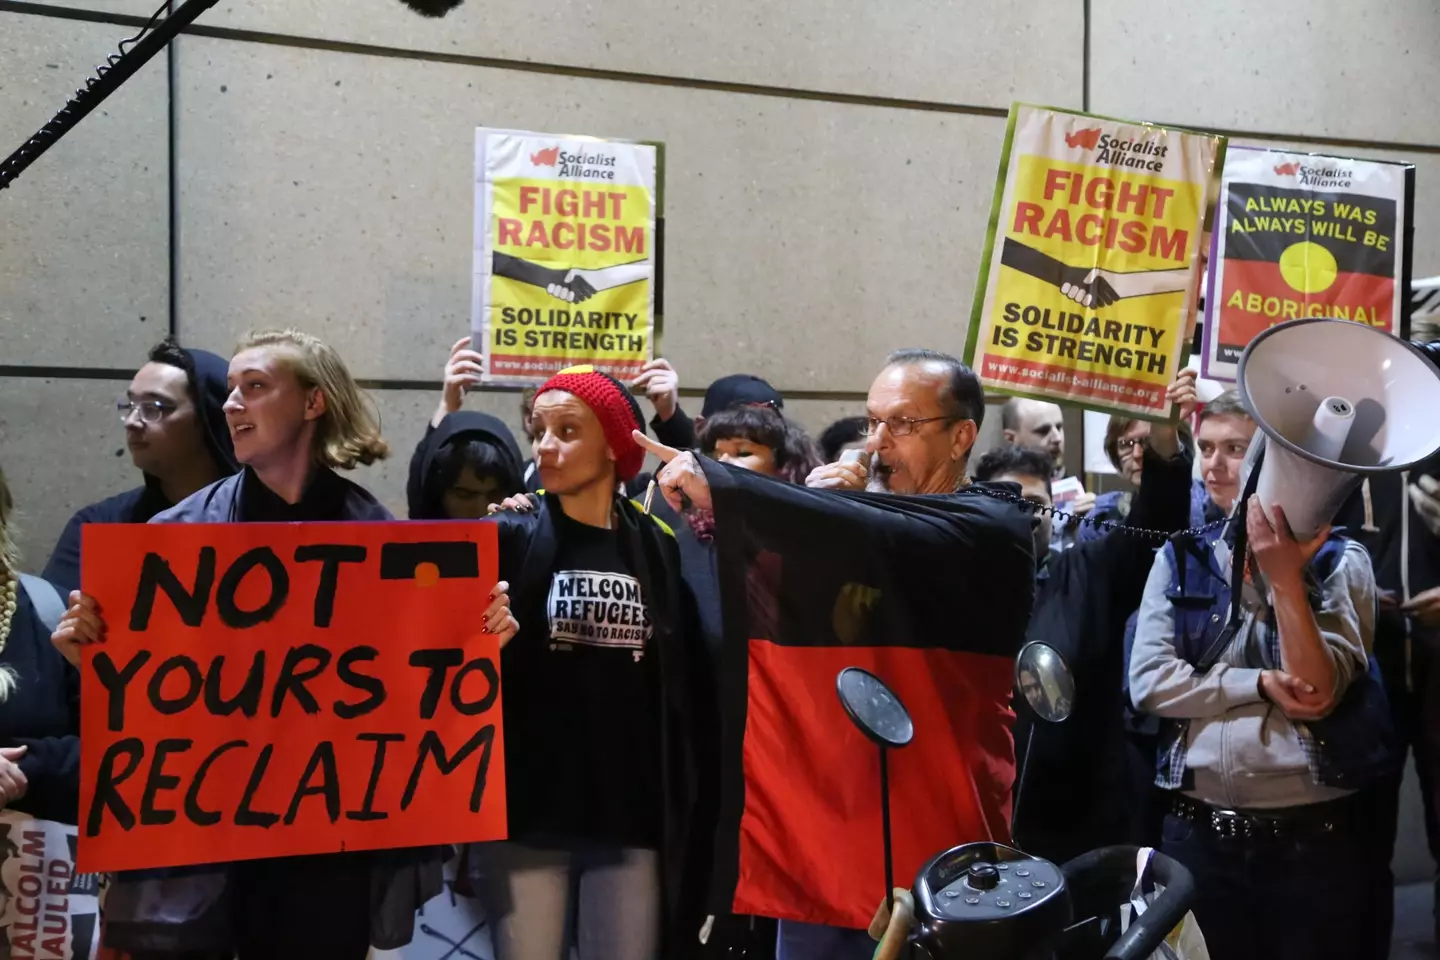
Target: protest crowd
[626, 632]
[613, 832]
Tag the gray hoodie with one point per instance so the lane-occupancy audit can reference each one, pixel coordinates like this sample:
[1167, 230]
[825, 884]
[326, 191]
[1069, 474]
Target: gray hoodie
[1243, 751]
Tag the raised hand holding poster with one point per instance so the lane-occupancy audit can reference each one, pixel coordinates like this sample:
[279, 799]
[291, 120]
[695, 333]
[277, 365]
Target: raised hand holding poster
[1301, 235]
[1090, 280]
[271, 690]
[567, 254]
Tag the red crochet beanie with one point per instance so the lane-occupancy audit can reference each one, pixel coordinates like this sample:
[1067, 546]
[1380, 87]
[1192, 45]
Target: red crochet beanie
[613, 406]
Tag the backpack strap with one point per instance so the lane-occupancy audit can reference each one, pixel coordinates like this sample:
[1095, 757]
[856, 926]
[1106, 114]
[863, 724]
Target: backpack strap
[47, 600]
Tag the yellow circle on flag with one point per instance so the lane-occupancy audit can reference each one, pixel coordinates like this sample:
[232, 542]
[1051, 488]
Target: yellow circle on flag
[1308, 267]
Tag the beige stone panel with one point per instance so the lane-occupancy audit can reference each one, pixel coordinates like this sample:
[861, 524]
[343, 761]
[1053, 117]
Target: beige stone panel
[1332, 68]
[975, 52]
[804, 239]
[61, 447]
[84, 232]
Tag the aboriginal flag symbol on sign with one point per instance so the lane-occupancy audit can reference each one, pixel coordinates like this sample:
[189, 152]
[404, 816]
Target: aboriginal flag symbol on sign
[1298, 253]
[930, 594]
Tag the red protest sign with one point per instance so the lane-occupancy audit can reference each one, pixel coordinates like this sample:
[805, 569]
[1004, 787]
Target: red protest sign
[269, 690]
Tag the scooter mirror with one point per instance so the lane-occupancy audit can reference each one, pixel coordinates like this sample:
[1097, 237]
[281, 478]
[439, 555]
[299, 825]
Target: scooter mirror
[873, 708]
[1044, 679]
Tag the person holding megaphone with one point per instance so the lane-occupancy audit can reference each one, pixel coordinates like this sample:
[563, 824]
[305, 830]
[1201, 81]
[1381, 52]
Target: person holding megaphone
[1254, 648]
[1272, 718]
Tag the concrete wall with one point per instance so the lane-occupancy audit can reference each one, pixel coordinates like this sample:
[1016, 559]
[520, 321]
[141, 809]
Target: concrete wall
[830, 171]
[830, 167]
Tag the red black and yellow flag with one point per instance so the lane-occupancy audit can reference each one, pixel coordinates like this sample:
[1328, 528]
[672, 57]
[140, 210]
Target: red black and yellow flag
[932, 594]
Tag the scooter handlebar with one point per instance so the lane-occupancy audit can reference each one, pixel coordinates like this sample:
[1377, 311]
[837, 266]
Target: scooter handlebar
[1146, 932]
[1108, 876]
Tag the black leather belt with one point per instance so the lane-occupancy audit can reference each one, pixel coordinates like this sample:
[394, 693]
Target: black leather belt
[1283, 823]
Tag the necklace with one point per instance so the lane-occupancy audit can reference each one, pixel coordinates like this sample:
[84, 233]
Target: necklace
[7, 607]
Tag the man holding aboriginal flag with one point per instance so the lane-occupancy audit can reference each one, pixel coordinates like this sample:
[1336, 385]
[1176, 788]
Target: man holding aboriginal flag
[902, 581]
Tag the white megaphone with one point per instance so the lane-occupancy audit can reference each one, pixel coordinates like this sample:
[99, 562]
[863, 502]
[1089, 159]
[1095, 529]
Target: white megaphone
[1336, 400]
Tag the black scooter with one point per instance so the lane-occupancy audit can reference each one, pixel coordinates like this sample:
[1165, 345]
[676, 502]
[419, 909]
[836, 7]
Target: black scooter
[988, 901]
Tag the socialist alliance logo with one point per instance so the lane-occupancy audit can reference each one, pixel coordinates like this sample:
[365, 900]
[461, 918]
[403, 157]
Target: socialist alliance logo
[1144, 152]
[1318, 176]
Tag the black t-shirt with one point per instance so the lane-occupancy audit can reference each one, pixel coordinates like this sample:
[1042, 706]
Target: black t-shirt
[591, 703]
[323, 499]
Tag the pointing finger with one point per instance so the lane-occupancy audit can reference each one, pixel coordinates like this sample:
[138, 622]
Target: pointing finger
[666, 454]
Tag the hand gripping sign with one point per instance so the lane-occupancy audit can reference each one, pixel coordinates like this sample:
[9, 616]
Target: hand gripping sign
[270, 690]
[1090, 279]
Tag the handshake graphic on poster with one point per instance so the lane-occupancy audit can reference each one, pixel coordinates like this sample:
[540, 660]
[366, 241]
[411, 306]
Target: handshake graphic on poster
[574, 285]
[1091, 286]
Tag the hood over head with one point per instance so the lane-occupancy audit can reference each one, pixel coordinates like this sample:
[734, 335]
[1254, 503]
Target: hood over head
[422, 490]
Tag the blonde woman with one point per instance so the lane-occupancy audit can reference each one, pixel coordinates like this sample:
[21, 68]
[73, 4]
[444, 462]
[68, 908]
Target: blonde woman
[39, 692]
[295, 415]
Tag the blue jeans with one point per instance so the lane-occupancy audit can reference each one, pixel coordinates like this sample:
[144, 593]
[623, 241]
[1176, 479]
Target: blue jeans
[1307, 898]
[604, 901]
[811, 941]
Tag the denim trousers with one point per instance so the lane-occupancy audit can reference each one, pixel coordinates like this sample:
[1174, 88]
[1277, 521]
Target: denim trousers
[1300, 898]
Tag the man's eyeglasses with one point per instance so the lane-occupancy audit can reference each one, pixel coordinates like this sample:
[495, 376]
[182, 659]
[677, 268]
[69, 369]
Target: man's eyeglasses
[899, 426]
[151, 411]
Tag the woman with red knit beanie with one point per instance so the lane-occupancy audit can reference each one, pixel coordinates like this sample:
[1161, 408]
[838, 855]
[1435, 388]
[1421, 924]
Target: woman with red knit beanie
[609, 719]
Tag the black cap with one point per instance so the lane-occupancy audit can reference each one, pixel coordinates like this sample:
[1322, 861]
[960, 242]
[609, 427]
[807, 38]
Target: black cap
[740, 389]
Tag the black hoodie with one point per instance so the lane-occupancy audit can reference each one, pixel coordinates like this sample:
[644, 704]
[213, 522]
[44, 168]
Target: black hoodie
[425, 502]
[208, 390]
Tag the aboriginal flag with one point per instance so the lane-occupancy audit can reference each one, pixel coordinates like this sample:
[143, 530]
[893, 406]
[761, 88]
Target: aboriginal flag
[931, 594]
[1292, 253]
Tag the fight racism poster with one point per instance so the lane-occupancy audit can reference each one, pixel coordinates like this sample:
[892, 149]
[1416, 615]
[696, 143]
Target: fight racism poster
[567, 254]
[1091, 275]
[271, 690]
[1305, 236]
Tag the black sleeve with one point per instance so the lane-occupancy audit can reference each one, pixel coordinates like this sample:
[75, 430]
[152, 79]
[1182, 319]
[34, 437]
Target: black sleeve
[63, 568]
[504, 265]
[516, 530]
[677, 432]
[52, 765]
[928, 556]
[1162, 503]
[1431, 350]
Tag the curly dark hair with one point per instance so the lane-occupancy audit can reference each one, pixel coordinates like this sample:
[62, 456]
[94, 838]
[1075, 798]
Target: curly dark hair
[1013, 460]
[844, 431]
[795, 453]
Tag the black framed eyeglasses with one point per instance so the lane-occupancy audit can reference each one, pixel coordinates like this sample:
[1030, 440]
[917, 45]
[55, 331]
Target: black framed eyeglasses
[151, 411]
[900, 426]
